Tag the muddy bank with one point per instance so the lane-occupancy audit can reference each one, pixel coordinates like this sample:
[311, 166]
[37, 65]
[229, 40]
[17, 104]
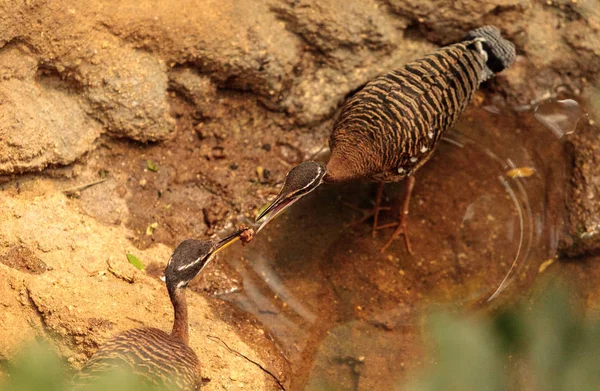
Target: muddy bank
[583, 204]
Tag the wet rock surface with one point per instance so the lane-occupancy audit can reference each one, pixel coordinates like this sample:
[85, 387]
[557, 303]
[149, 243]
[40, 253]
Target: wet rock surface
[583, 203]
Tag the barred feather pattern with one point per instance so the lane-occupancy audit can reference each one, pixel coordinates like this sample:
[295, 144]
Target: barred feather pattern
[149, 353]
[389, 128]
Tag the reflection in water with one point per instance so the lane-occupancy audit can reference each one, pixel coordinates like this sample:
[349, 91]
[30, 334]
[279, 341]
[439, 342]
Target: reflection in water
[559, 116]
[276, 285]
[346, 316]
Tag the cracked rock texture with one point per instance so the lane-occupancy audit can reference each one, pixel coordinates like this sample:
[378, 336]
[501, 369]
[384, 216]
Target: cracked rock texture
[297, 56]
[39, 125]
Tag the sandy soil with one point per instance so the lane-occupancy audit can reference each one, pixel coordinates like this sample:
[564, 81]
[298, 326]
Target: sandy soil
[81, 289]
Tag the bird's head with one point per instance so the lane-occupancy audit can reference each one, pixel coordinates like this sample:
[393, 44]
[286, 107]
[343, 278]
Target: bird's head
[300, 181]
[191, 256]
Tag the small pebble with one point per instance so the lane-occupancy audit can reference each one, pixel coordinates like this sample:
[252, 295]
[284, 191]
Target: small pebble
[218, 153]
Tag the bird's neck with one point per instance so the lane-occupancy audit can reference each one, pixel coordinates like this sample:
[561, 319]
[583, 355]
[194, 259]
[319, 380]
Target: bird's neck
[180, 324]
[341, 168]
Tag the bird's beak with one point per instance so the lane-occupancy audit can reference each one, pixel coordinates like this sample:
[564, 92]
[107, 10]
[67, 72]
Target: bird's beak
[278, 206]
[227, 240]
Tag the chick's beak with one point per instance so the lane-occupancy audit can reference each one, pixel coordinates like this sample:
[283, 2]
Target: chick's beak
[227, 240]
[278, 206]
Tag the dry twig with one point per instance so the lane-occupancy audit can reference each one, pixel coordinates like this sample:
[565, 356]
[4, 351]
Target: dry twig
[265, 370]
[74, 190]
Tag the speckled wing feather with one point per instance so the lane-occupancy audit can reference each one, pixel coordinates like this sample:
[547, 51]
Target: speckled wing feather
[389, 128]
[149, 353]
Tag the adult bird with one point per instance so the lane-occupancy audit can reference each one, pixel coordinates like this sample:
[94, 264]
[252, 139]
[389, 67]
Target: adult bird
[160, 358]
[388, 129]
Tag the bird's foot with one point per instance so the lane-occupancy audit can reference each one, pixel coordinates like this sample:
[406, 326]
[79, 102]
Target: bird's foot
[401, 229]
[366, 214]
[401, 225]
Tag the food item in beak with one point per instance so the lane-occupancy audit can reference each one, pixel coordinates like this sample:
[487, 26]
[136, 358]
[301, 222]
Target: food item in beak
[247, 235]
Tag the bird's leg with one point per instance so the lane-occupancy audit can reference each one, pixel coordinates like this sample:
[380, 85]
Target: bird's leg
[377, 207]
[368, 213]
[402, 224]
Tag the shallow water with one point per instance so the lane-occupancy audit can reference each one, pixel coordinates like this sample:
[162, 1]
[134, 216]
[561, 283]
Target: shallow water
[484, 216]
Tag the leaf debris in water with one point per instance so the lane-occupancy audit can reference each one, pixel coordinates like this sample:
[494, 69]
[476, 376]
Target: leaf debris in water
[135, 261]
[545, 264]
[150, 228]
[151, 165]
[521, 172]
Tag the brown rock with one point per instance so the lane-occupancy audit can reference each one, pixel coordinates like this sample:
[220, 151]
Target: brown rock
[198, 89]
[127, 92]
[446, 22]
[40, 127]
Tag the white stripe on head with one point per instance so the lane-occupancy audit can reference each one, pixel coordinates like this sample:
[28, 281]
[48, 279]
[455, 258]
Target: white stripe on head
[480, 49]
[182, 283]
[184, 267]
[207, 262]
[191, 264]
[316, 178]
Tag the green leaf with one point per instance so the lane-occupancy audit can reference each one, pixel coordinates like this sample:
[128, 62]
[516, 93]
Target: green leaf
[135, 261]
[151, 165]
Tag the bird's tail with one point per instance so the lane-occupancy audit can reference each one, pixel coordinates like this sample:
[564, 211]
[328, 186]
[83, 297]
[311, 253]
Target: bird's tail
[500, 52]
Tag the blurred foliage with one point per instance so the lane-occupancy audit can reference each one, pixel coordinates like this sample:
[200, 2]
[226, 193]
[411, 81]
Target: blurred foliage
[541, 344]
[544, 343]
[38, 367]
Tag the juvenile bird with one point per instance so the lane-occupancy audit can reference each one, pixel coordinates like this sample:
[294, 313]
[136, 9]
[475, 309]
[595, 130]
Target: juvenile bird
[157, 357]
[389, 128]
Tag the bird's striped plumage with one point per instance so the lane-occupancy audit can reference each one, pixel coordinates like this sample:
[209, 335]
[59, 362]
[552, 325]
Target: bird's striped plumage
[390, 127]
[155, 356]
[162, 359]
